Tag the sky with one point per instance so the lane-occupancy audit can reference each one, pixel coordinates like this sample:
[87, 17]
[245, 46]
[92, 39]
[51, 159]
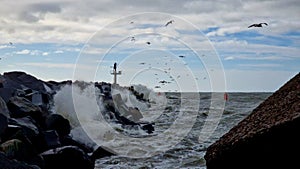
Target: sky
[207, 47]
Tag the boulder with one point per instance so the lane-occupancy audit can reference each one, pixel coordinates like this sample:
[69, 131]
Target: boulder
[101, 152]
[3, 108]
[7, 163]
[67, 157]
[69, 141]
[7, 93]
[267, 138]
[3, 125]
[59, 123]
[130, 113]
[10, 131]
[28, 124]
[30, 132]
[20, 107]
[24, 80]
[16, 149]
[51, 139]
[148, 128]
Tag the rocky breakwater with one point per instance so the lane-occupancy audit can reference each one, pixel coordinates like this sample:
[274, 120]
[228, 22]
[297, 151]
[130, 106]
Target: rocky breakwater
[267, 138]
[32, 136]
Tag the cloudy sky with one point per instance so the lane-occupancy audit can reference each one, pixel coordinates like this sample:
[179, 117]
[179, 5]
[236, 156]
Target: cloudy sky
[208, 47]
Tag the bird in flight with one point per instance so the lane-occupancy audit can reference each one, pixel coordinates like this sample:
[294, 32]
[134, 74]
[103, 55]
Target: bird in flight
[148, 43]
[132, 39]
[10, 43]
[170, 22]
[181, 56]
[257, 25]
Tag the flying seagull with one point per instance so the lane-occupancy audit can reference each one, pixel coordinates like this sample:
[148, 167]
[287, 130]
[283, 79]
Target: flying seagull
[10, 43]
[257, 25]
[170, 22]
[132, 39]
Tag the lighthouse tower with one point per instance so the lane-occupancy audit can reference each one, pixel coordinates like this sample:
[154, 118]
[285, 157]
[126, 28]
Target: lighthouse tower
[115, 73]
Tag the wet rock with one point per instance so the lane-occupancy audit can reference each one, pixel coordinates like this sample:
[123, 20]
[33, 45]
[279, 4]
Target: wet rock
[16, 149]
[13, 149]
[101, 152]
[21, 80]
[20, 107]
[59, 123]
[29, 133]
[67, 157]
[7, 93]
[3, 108]
[28, 125]
[3, 125]
[10, 131]
[7, 163]
[148, 128]
[51, 139]
[267, 138]
[69, 141]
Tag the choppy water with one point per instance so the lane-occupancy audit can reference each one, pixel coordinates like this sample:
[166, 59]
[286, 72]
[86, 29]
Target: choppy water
[188, 153]
[185, 125]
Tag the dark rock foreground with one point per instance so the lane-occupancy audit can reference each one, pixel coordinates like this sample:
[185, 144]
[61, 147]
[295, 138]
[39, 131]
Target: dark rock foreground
[267, 138]
[33, 136]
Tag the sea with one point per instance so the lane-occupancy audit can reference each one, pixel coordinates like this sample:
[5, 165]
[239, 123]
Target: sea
[185, 124]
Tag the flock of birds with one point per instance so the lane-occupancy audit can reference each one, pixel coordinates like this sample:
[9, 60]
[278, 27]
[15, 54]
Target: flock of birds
[171, 22]
[163, 82]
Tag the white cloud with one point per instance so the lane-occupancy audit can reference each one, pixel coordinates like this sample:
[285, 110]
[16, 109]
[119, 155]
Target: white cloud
[58, 51]
[23, 52]
[45, 53]
[57, 20]
[225, 30]
[6, 46]
[229, 58]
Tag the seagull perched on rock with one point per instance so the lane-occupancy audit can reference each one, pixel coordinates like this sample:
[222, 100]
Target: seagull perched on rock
[170, 22]
[257, 25]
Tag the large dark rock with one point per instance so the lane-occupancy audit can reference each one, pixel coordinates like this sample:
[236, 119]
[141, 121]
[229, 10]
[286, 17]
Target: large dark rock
[29, 132]
[59, 123]
[20, 107]
[16, 149]
[7, 163]
[28, 125]
[3, 125]
[101, 152]
[67, 157]
[51, 139]
[69, 141]
[3, 108]
[21, 80]
[267, 138]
